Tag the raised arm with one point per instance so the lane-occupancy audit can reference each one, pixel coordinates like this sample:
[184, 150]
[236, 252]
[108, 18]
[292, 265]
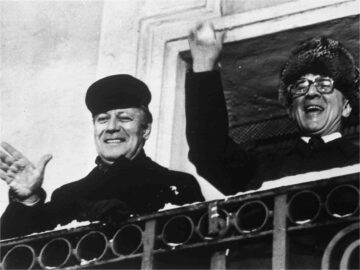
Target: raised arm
[214, 154]
[205, 46]
[26, 212]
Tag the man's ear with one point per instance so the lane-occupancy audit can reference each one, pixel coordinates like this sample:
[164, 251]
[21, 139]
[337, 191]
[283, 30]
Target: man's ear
[289, 112]
[147, 131]
[346, 109]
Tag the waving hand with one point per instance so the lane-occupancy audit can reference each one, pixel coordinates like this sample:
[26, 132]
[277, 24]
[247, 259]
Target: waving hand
[23, 177]
[205, 46]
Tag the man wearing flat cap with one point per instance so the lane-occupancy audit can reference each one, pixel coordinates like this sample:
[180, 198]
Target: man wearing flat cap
[319, 86]
[124, 182]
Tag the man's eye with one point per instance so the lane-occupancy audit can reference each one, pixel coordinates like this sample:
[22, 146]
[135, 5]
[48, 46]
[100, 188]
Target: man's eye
[125, 119]
[324, 83]
[101, 119]
[301, 84]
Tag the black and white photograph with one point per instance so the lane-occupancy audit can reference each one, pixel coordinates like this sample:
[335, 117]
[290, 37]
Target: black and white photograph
[179, 134]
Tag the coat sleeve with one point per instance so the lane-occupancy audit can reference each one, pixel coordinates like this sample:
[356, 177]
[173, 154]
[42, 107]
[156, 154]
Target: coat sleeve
[190, 190]
[215, 155]
[19, 219]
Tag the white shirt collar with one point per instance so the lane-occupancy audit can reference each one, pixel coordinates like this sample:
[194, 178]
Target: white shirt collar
[326, 138]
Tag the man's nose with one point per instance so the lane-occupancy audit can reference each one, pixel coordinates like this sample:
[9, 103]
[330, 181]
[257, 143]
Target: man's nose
[113, 125]
[312, 91]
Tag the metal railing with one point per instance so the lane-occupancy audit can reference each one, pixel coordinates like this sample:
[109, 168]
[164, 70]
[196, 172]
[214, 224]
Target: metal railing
[208, 232]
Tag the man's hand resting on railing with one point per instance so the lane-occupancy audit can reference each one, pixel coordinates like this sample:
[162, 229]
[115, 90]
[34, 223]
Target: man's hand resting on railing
[23, 178]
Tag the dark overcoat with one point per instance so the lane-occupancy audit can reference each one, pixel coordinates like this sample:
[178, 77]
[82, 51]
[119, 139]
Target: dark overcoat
[138, 186]
[232, 169]
[225, 164]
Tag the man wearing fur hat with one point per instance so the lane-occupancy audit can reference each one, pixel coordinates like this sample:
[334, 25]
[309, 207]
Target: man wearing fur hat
[125, 181]
[319, 87]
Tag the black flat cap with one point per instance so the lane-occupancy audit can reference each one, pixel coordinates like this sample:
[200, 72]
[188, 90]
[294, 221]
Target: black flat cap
[117, 92]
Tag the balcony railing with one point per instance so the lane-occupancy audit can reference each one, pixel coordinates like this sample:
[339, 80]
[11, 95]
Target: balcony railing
[314, 224]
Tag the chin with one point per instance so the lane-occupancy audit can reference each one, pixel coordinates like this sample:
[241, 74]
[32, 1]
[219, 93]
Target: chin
[111, 157]
[311, 129]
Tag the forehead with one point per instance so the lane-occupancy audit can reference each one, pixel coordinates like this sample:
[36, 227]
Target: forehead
[311, 76]
[136, 112]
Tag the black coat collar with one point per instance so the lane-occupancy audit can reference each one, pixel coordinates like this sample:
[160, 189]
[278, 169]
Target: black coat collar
[122, 162]
[343, 145]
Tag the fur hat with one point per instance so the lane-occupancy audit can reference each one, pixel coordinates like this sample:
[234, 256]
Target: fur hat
[325, 57]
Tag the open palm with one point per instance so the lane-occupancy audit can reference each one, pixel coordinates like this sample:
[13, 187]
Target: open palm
[23, 177]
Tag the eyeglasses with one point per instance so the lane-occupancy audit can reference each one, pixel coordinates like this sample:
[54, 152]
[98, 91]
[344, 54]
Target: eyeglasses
[322, 84]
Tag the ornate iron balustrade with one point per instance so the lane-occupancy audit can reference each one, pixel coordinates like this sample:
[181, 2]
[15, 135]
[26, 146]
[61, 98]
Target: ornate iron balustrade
[263, 229]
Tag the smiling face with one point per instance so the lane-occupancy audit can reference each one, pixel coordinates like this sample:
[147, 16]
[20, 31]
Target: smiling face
[319, 114]
[120, 132]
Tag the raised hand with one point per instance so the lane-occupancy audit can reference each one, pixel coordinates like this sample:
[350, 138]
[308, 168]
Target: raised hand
[23, 178]
[205, 46]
